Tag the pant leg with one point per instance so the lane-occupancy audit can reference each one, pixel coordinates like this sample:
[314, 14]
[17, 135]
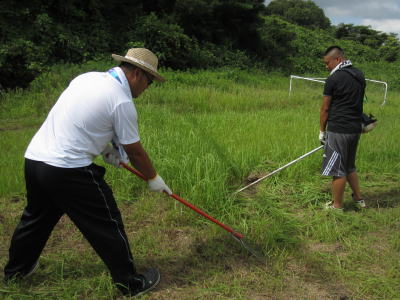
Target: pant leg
[86, 198]
[38, 220]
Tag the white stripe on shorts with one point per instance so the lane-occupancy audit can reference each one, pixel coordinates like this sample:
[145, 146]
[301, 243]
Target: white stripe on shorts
[330, 164]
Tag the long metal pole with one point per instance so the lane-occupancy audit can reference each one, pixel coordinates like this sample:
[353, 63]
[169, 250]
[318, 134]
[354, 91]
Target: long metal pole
[280, 169]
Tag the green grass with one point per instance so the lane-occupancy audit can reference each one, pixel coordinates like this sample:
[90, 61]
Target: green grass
[207, 132]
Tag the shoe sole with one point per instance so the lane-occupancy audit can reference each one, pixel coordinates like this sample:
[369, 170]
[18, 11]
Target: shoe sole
[33, 270]
[150, 288]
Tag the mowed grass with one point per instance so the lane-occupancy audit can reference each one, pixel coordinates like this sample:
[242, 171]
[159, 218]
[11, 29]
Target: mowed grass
[210, 133]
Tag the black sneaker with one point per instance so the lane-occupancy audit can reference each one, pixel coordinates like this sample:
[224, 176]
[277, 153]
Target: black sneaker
[23, 274]
[32, 270]
[149, 280]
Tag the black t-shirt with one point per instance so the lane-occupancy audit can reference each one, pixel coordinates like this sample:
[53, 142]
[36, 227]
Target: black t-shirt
[346, 87]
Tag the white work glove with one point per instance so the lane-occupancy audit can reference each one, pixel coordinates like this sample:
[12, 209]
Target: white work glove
[157, 184]
[111, 156]
[322, 137]
[122, 154]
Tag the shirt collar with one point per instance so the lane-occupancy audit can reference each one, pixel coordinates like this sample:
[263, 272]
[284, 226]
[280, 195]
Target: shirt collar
[343, 64]
[124, 81]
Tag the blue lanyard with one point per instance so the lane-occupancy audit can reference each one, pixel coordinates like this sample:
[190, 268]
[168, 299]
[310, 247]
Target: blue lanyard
[115, 75]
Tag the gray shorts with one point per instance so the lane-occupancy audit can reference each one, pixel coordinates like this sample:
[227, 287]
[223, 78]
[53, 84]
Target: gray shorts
[340, 154]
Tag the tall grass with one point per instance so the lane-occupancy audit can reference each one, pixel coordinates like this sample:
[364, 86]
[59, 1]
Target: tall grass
[206, 130]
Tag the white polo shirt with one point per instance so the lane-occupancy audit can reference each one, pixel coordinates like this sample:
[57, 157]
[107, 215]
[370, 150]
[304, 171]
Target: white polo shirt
[95, 108]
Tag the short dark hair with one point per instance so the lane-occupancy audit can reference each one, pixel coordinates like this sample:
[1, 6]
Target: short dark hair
[127, 65]
[339, 51]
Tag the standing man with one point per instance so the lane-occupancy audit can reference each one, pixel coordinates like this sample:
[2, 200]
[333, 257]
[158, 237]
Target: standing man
[340, 125]
[61, 178]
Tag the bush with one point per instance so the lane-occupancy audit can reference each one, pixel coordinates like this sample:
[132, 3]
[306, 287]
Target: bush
[311, 44]
[167, 41]
[20, 62]
[178, 51]
[277, 36]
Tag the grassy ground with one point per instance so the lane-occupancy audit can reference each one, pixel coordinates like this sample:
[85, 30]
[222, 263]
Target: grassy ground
[210, 133]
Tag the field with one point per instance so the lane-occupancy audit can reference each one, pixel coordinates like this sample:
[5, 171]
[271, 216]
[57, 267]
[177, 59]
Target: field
[210, 133]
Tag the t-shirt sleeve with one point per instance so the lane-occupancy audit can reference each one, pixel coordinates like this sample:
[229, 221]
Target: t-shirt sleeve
[328, 88]
[125, 123]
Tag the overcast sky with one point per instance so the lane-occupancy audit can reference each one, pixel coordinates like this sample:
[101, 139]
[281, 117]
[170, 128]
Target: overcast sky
[381, 15]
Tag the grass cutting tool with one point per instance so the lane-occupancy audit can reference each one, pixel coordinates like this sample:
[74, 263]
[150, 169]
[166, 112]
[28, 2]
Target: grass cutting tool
[280, 169]
[236, 235]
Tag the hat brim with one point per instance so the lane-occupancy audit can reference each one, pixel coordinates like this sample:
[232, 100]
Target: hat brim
[156, 76]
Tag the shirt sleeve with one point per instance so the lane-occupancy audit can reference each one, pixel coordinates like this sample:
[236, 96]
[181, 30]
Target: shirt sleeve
[125, 123]
[328, 88]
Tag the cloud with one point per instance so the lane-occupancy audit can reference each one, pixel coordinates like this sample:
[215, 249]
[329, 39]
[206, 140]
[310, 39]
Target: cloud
[366, 9]
[380, 15]
[383, 15]
[388, 25]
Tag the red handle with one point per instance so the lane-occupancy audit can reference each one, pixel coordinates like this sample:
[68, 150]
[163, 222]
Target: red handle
[184, 202]
[134, 171]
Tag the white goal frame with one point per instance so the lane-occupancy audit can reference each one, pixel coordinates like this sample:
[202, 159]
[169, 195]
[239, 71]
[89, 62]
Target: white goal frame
[322, 80]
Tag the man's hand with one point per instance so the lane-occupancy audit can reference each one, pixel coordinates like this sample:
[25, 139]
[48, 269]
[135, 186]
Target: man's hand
[322, 137]
[122, 154]
[111, 156]
[157, 184]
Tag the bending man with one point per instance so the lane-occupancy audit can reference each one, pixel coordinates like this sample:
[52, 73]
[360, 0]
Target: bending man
[96, 109]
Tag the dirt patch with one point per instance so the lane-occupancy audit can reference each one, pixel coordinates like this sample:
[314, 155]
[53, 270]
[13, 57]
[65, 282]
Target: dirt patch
[254, 177]
[178, 238]
[66, 236]
[308, 279]
[252, 190]
[324, 247]
[15, 199]
[383, 199]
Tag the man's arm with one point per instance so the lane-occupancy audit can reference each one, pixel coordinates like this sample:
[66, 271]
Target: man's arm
[140, 160]
[323, 114]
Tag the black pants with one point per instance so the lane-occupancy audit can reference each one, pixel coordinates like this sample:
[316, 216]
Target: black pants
[85, 197]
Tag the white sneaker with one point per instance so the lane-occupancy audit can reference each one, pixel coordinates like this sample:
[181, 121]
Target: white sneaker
[329, 206]
[360, 203]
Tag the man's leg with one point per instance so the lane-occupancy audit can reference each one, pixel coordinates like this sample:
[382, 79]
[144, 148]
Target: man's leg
[353, 181]
[89, 203]
[352, 176]
[332, 165]
[338, 186]
[37, 221]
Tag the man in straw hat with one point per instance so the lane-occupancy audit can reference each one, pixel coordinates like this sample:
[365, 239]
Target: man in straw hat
[61, 178]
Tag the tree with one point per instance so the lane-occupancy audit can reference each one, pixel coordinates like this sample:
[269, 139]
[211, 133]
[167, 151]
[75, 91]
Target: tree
[303, 13]
[36, 34]
[222, 22]
[390, 49]
[277, 39]
[170, 44]
[362, 34]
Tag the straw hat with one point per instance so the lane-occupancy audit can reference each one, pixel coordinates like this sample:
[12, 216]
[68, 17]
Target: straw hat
[142, 58]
